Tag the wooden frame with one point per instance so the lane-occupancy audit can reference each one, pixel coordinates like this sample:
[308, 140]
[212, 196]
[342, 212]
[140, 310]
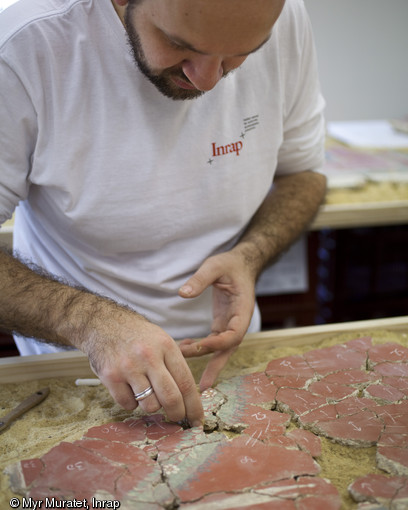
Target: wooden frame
[75, 364]
[369, 214]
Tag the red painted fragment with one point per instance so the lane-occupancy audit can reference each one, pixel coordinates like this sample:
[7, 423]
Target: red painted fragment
[292, 366]
[392, 369]
[384, 394]
[234, 466]
[31, 469]
[393, 459]
[298, 402]
[331, 391]
[307, 441]
[378, 488]
[363, 429]
[388, 352]
[135, 430]
[333, 359]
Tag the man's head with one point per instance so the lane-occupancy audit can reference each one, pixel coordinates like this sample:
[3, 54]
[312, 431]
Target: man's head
[184, 47]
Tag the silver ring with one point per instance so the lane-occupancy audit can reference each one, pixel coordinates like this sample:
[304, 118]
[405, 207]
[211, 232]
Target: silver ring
[144, 394]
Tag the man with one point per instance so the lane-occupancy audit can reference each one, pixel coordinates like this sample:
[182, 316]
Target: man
[155, 212]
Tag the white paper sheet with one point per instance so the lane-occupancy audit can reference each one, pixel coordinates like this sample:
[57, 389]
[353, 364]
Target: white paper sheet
[370, 134]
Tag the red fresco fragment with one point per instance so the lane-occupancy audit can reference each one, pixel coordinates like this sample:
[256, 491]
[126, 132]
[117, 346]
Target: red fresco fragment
[122, 453]
[316, 503]
[388, 352]
[392, 369]
[333, 359]
[76, 472]
[288, 381]
[239, 501]
[388, 439]
[134, 430]
[395, 417]
[292, 366]
[264, 424]
[354, 405]
[401, 383]
[298, 401]
[31, 469]
[180, 441]
[302, 486]
[310, 493]
[394, 460]
[305, 492]
[364, 428]
[378, 488]
[361, 344]
[285, 441]
[351, 377]
[307, 441]
[254, 388]
[324, 413]
[383, 393]
[251, 463]
[332, 392]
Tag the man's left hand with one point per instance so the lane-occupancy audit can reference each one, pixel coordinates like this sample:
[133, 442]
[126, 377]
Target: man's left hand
[233, 304]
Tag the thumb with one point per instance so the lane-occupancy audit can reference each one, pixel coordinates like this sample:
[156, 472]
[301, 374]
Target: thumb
[201, 279]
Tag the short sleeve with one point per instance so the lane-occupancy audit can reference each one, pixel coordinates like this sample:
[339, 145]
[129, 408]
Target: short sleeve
[303, 123]
[17, 140]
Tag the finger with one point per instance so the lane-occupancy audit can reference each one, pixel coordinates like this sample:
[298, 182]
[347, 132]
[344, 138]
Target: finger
[212, 343]
[190, 404]
[205, 276]
[122, 393]
[192, 348]
[149, 403]
[214, 367]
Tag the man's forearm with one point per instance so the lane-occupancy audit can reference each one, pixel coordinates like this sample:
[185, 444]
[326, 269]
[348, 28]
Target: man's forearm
[39, 306]
[286, 212]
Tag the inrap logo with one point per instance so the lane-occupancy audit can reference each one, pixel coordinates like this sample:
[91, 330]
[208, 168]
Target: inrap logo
[222, 150]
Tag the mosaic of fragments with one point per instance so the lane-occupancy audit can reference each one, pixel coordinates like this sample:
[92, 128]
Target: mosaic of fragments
[260, 446]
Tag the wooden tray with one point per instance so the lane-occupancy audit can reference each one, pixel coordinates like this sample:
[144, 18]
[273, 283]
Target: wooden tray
[75, 364]
[370, 214]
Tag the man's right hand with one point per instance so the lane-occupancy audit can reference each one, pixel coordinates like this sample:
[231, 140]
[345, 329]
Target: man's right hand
[133, 354]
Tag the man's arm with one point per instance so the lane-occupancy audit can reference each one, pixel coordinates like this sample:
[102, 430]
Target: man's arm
[285, 213]
[127, 352]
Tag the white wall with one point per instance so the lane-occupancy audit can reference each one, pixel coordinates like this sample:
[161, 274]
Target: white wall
[362, 47]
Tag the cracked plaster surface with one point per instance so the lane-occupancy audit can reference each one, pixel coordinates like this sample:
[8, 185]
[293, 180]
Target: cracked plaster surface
[249, 454]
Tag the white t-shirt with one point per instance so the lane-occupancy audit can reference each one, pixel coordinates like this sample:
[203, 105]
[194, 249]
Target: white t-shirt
[123, 190]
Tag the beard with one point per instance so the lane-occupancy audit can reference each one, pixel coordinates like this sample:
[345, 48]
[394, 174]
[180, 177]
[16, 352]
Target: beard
[161, 80]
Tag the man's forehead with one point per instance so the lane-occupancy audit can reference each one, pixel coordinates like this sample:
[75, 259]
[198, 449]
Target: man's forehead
[231, 27]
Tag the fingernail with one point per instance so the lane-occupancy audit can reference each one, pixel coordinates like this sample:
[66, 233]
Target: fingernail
[198, 423]
[186, 289]
[184, 423]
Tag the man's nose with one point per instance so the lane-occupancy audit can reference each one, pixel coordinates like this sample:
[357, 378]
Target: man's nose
[204, 71]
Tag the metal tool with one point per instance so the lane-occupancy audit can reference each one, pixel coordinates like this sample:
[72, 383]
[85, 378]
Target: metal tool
[27, 404]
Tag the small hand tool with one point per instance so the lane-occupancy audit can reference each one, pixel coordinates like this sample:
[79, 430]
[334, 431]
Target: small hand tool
[22, 408]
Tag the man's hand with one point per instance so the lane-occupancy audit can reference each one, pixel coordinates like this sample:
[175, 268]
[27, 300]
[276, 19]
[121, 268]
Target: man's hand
[284, 214]
[132, 354]
[233, 305]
